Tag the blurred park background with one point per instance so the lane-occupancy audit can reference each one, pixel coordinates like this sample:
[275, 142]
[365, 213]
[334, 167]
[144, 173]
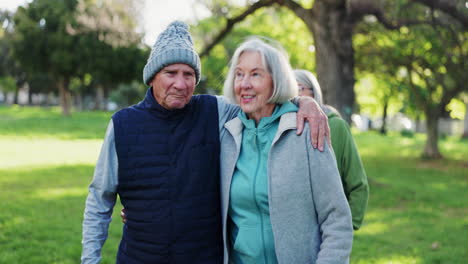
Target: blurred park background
[396, 70]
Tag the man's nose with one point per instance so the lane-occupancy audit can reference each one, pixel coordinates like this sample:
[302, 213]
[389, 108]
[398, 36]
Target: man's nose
[180, 82]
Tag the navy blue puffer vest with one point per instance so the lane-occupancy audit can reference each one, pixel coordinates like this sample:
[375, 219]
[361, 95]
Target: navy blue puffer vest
[169, 182]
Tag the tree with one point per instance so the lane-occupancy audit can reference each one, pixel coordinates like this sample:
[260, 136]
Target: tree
[429, 58]
[465, 126]
[112, 50]
[11, 72]
[331, 22]
[72, 38]
[436, 75]
[299, 46]
[42, 43]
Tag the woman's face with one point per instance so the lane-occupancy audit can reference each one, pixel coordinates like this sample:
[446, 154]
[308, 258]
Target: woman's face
[253, 86]
[304, 90]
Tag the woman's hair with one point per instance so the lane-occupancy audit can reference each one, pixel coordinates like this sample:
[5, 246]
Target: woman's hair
[308, 79]
[276, 62]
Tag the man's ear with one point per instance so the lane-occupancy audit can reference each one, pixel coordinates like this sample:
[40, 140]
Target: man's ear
[153, 80]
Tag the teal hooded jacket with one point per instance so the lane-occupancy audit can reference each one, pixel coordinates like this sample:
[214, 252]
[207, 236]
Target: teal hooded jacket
[248, 210]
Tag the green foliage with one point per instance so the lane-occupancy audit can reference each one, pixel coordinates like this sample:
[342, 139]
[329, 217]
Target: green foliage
[128, 94]
[267, 22]
[74, 41]
[11, 73]
[7, 84]
[407, 133]
[41, 40]
[373, 90]
[416, 212]
[427, 60]
[41, 83]
[457, 109]
[110, 49]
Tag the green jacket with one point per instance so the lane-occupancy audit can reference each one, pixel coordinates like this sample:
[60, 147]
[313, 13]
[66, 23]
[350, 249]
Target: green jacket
[353, 175]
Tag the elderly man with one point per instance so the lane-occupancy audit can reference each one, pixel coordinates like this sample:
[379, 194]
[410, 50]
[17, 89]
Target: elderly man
[161, 156]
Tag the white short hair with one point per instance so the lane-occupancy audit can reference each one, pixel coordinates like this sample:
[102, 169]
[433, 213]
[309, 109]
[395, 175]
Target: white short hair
[275, 60]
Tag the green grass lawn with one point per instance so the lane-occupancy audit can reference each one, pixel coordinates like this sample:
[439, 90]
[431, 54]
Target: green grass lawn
[418, 211]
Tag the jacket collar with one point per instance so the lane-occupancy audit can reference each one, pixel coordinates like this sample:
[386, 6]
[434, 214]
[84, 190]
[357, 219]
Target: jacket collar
[287, 122]
[235, 127]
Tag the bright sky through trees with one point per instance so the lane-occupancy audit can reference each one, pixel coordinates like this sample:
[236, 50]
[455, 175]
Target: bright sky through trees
[156, 14]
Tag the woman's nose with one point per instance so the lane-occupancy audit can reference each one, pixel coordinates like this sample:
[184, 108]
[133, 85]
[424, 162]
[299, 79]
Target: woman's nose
[245, 82]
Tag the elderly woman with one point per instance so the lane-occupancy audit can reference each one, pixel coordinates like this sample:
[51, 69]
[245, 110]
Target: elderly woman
[282, 200]
[353, 175]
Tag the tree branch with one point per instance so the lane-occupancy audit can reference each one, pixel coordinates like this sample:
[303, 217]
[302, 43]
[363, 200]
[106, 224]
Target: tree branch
[299, 10]
[449, 7]
[361, 8]
[420, 99]
[231, 22]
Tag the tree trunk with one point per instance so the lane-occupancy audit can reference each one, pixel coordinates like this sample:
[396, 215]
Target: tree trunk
[30, 94]
[417, 127]
[79, 101]
[15, 98]
[99, 99]
[383, 128]
[105, 97]
[465, 128]
[65, 96]
[332, 32]
[431, 149]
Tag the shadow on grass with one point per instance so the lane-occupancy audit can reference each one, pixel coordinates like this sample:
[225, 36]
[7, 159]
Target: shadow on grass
[49, 122]
[416, 215]
[418, 212]
[411, 235]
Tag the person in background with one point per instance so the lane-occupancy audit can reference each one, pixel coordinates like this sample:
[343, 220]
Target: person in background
[161, 157]
[353, 175]
[282, 200]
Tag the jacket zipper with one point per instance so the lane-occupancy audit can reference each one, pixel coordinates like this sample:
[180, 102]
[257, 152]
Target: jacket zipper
[255, 196]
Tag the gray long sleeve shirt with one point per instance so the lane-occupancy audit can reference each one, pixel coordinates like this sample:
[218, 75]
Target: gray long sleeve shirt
[103, 189]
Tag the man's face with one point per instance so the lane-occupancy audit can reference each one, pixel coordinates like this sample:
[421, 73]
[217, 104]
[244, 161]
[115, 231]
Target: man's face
[173, 86]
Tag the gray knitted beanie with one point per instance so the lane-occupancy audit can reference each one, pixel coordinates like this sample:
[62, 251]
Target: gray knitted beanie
[174, 45]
